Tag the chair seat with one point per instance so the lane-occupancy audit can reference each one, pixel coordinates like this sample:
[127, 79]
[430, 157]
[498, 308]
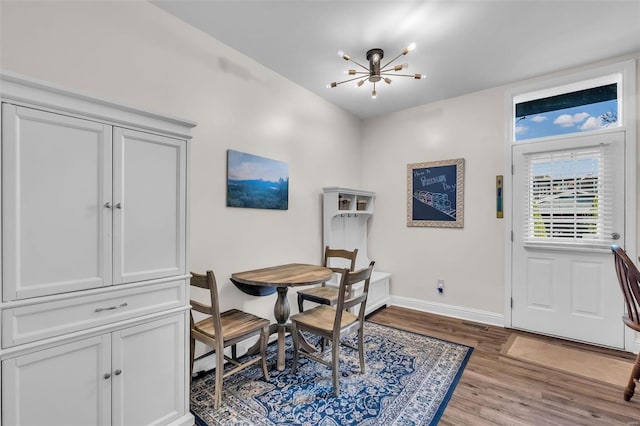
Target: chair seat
[324, 295]
[235, 324]
[322, 318]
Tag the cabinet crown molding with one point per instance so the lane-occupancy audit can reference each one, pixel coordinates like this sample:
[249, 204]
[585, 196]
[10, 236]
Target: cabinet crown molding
[16, 88]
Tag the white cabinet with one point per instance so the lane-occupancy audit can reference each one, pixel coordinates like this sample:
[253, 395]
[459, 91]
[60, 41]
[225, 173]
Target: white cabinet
[150, 388]
[56, 177]
[345, 215]
[131, 376]
[95, 303]
[88, 204]
[62, 385]
[149, 194]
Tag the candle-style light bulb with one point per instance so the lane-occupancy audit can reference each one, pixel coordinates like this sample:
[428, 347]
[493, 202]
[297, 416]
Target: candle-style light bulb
[343, 55]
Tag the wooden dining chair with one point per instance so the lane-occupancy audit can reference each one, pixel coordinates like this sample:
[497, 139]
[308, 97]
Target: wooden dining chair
[223, 329]
[335, 323]
[629, 279]
[328, 295]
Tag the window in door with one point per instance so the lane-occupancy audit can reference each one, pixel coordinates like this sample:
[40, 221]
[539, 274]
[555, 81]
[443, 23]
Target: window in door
[570, 195]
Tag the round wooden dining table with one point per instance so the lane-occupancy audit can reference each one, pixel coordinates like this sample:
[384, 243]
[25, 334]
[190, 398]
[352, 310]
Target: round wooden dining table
[282, 277]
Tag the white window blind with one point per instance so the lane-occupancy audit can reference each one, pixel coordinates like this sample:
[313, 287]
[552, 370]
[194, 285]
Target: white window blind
[570, 197]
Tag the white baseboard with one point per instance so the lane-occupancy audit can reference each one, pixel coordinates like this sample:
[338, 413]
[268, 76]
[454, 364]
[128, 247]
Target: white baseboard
[186, 420]
[475, 315]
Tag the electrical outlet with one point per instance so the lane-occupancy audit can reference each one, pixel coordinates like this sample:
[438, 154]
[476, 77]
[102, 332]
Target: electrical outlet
[440, 286]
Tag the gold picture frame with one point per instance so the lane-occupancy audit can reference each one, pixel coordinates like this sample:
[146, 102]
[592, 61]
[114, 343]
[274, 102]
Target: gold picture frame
[435, 194]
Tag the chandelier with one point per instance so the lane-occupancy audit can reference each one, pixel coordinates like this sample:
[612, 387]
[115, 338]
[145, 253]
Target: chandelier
[376, 72]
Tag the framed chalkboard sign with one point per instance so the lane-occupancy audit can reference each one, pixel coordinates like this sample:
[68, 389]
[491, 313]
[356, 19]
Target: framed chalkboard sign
[435, 194]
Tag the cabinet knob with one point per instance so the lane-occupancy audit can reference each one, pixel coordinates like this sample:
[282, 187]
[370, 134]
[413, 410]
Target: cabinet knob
[118, 206]
[107, 205]
[117, 372]
[107, 376]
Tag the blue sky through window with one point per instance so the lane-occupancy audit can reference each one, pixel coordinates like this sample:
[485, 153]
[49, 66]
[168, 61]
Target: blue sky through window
[569, 120]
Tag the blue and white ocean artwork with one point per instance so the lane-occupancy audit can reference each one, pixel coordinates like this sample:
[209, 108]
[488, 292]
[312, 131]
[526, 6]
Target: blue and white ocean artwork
[256, 182]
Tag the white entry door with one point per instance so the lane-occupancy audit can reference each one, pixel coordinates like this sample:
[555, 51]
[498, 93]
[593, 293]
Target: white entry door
[568, 208]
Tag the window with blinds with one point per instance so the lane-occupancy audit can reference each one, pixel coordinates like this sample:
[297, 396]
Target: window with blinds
[570, 197]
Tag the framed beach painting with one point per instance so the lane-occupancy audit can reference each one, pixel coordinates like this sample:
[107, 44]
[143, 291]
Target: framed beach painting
[256, 182]
[435, 194]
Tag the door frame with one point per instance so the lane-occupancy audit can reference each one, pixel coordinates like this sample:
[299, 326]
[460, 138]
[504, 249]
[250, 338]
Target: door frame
[628, 71]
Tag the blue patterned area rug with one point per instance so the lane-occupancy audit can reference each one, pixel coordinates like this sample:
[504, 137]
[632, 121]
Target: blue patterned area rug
[409, 380]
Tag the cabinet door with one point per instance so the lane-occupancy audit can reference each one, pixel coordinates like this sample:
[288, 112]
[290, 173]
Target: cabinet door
[64, 385]
[149, 373]
[149, 196]
[56, 180]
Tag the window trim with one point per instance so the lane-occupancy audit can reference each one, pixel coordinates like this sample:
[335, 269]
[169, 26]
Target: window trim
[573, 86]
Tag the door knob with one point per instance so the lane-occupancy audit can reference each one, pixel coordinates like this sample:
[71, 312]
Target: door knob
[615, 236]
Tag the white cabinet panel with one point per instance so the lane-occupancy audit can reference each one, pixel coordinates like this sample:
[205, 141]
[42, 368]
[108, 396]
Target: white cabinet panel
[134, 376]
[39, 321]
[150, 389]
[56, 178]
[150, 197]
[64, 385]
[76, 193]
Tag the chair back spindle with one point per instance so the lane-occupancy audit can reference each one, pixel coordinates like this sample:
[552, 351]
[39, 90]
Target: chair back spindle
[338, 260]
[207, 281]
[346, 297]
[629, 280]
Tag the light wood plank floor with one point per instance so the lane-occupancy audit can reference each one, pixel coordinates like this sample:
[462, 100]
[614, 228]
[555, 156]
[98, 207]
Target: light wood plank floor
[497, 391]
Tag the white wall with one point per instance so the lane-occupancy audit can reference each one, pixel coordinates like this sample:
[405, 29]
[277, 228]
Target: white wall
[136, 54]
[470, 260]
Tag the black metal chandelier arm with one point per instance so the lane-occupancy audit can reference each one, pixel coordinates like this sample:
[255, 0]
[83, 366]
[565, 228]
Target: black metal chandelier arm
[345, 81]
[416, 76]
[392, 61]
[398, 68]
[358, 64]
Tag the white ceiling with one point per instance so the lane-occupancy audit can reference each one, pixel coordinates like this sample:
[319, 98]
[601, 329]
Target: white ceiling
[462, 46]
